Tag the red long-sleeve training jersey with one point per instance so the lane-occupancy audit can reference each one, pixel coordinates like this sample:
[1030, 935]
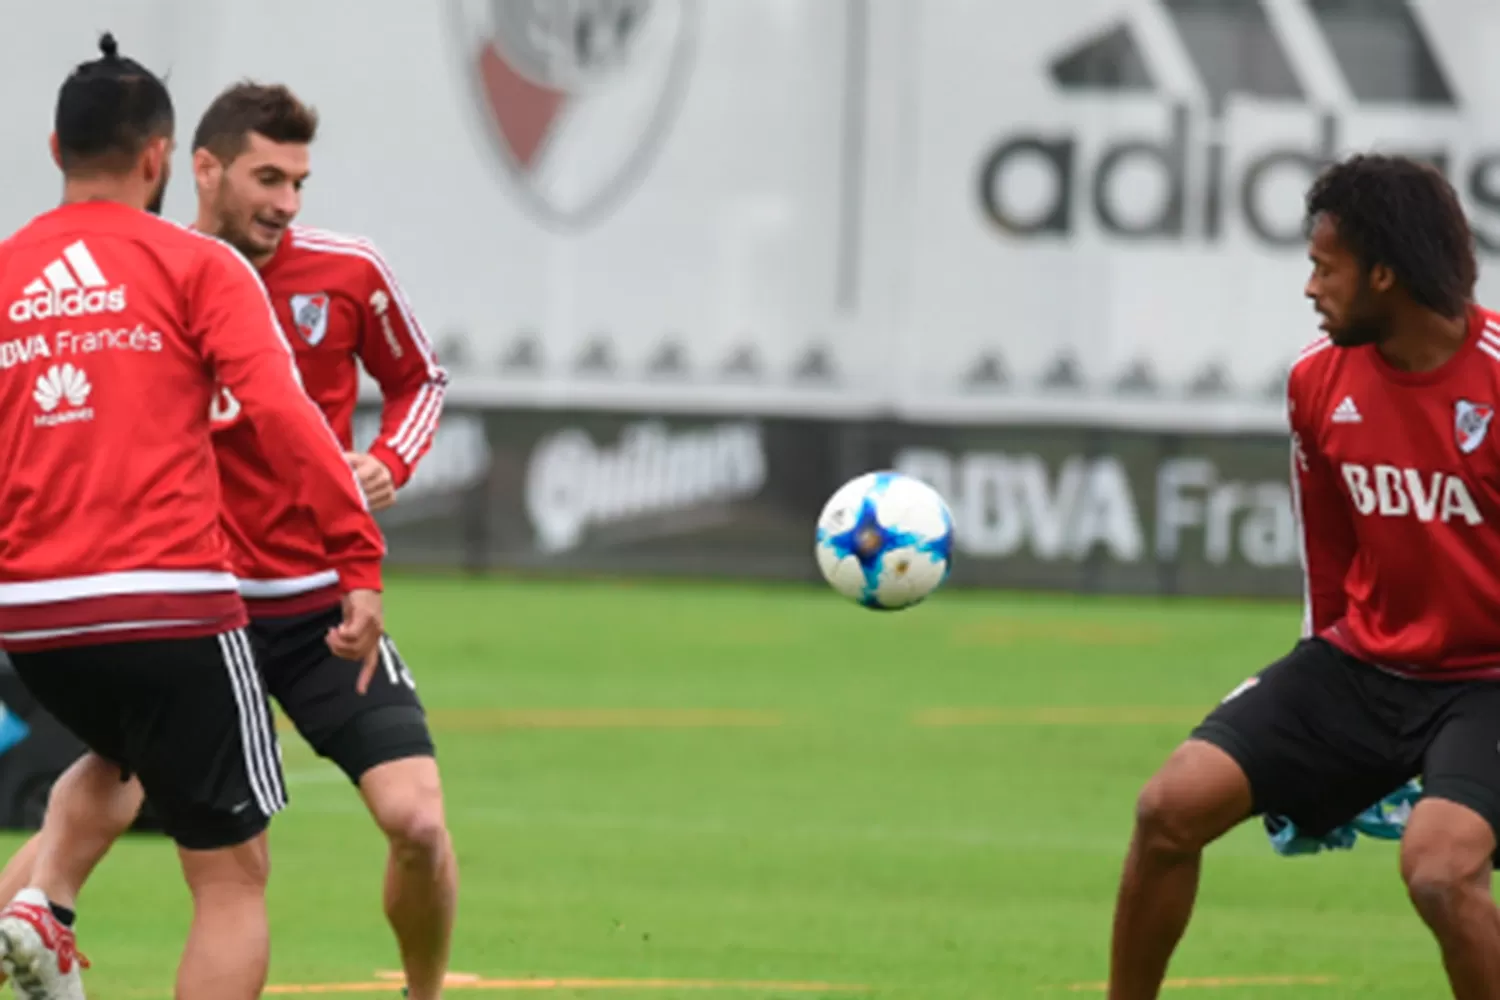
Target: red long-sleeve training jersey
[1396, 477]
[117, 327]
[340, 307]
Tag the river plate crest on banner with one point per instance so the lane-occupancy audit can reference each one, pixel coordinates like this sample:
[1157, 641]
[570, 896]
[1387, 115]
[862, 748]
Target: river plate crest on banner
[577, 96]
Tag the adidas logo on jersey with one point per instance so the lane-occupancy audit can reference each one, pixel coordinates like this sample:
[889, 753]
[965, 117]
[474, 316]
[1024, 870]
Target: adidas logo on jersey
[1346, 412]
[72, 285]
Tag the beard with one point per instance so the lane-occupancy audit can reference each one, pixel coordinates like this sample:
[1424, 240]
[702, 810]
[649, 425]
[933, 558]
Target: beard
[1364, 322]
[1357, 334]
[154, 205]
[232, 232]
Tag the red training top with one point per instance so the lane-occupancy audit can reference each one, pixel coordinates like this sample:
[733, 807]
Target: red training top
[117, 326]
[339, 306]
[1397, 483]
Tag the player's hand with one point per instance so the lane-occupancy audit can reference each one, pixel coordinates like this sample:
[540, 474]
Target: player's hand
[357, 637]
[375, 479]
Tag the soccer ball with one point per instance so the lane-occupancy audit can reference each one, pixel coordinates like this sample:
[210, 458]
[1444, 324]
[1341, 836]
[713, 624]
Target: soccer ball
[885, 540]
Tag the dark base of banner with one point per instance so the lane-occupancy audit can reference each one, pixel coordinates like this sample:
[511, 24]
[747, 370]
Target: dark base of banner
[1060, 508]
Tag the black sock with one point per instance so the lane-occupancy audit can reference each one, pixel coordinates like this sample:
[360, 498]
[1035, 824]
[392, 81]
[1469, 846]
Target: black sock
[64, 915]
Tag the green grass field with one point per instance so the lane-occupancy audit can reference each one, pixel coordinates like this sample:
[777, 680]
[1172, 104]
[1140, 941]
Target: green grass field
[752, 791]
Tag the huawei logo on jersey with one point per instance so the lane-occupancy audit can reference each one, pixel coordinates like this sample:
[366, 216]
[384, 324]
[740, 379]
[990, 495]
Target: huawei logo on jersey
[1390, 491]
[60, 385]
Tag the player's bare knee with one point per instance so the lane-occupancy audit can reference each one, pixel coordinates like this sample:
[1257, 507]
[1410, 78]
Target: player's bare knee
[406, 799]
[1198, 794]
[1437, 881]
[411, 816]
[1164, 818]
[418, 833]
[1445, 854]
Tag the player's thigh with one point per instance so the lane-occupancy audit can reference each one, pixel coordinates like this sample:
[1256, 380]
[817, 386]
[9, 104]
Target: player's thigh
[77, 688]
[1462, 762]
[1310, 738]
[199, 734]
[318, 692]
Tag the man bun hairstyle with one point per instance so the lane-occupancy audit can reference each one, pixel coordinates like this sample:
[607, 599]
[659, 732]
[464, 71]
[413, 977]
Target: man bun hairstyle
[108, 110]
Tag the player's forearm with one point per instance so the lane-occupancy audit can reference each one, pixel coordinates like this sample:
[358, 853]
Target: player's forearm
[408, 421]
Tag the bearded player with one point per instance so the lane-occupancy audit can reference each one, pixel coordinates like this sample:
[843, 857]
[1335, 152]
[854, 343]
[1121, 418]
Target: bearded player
[1396, 474]
[339, 307]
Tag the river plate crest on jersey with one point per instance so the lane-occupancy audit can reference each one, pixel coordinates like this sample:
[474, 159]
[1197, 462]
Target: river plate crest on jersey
[1471, 422]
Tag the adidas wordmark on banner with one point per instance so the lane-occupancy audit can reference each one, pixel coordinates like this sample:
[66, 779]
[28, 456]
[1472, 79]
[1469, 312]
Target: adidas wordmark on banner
[72, 285]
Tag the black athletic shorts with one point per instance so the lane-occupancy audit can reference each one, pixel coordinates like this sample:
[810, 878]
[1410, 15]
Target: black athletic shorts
[316, 690]
[189, 717]
[1322, 735]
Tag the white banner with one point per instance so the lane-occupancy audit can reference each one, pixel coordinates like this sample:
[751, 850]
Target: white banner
[1116, 188]
[938, 208]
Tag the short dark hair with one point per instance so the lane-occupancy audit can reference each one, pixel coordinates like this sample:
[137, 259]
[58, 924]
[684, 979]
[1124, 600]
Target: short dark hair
[271, 110]
[1402, 213]
[108, 109]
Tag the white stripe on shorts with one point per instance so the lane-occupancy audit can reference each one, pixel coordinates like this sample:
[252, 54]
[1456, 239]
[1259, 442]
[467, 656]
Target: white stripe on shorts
[389, 661]
[257, 738]
[395, 667]
[265, 731]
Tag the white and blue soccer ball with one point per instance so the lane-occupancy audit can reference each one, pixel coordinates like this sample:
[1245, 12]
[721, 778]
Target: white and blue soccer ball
[885, 540]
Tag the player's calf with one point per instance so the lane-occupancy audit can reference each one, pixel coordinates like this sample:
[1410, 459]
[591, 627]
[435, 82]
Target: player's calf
[1446, 862]
[229, 945]
[1197, 796]
[421, 886]
[89, 807]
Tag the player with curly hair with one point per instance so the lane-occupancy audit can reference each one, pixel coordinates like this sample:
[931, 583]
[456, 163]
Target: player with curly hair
[1397, 486]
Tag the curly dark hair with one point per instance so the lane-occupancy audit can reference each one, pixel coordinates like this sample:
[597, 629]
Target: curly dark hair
[1402, 213]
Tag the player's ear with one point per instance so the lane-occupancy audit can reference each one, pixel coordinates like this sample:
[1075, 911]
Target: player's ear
[155, 157]
[56, 150]
[206, 169]
[1381, 278]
